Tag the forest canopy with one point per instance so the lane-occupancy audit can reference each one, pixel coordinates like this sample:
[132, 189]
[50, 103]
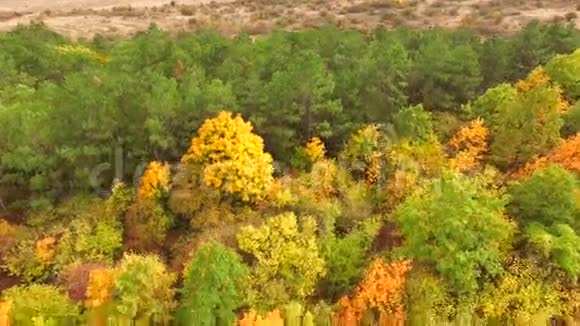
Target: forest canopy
[321, 177]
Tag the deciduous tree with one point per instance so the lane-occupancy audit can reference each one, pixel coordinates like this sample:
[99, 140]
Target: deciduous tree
[154, 182]
[548, 197]
[381, 290]
[347, 258]
[288, 262]
[565, 70]
[566, 155]
[470, 145]
[527, 125]
[546, 203]
[232, 157]
[413, 123]
[40, 302]
[315, 149]
[143, 288]
[458, 227]
[522, 291]
[213, 287]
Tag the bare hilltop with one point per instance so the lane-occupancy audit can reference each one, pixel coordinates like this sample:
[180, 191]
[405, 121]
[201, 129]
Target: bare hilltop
[85, 18]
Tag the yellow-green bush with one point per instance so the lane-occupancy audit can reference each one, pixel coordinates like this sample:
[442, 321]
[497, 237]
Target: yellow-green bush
[36, 303]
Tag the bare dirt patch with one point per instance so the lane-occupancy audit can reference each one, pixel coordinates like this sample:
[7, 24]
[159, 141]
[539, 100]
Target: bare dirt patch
[86, 18]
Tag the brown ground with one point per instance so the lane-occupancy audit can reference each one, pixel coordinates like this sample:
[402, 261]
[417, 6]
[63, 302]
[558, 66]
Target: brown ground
[85, 18]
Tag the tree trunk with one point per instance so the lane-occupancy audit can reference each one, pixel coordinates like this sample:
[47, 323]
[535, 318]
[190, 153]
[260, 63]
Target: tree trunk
[118, 161]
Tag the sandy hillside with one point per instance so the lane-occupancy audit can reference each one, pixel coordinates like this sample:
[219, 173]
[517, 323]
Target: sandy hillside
[85, 18]
[40, 5]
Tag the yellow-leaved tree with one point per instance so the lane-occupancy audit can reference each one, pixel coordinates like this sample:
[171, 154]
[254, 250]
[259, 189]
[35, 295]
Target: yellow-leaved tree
[315, 149]
[46, 249]
[155, 181]
[539, 77]
[470, 145]
[232, 157]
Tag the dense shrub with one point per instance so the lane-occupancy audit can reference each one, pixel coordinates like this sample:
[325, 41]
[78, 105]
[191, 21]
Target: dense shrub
[40, 302]
[97, 240]
[288, 262]
[457, 226]
[76, 279]
[7, 237]
[547, 197]
[213, 286]
[146, 226]
[23, 261]
[414, 122]
[526, 125]
[571, 121]
[347, 259]
[143, 288]
[522, 291]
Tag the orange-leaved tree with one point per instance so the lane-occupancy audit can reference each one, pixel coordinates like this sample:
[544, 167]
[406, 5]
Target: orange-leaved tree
[99, 293]
[470, 145]
[5, 313]
[147, 221]
[232, 157]
[100, 287]
[155, 181]
[272, 318]
[381, 290]
[566, 155]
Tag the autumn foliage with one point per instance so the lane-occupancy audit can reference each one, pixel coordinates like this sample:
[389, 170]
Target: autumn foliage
[566, 155]
[100, 287]
[232, 157]
[397, 177]
[363, 153]
[155, 181]
[4, 313]
[538, 77]
[46, 249]
[252, 318]
[147, 221]
[315, 149]
[470, 145]
[6, 236]
[99, 293]
[381, 290]
[526, 123]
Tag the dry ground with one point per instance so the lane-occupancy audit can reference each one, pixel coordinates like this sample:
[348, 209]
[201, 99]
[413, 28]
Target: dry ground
[85, 18]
